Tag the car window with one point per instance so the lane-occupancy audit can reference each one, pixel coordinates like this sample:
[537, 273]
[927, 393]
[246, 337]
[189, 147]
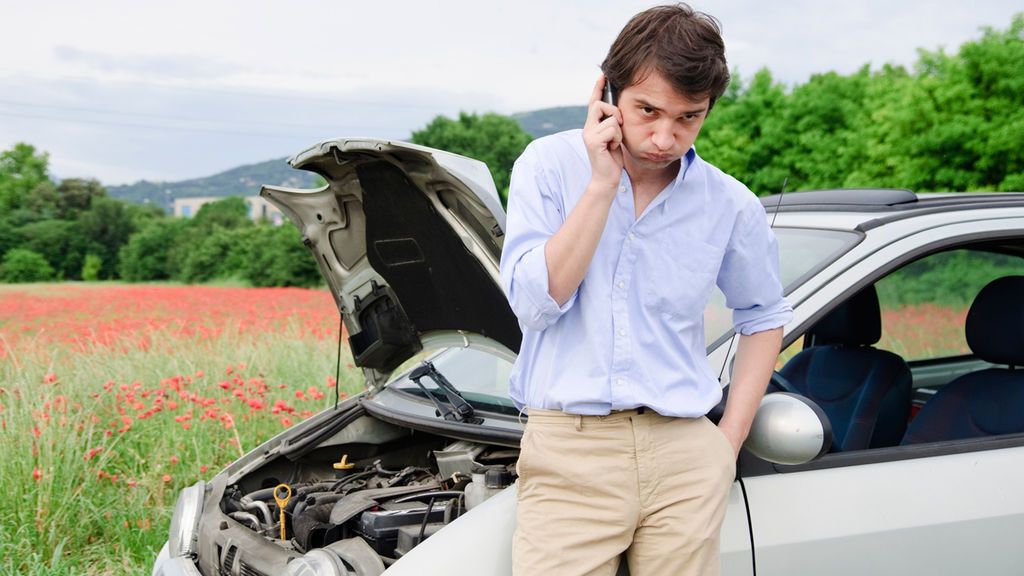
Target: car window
[923, 310]
[802, 252]
[924, 304]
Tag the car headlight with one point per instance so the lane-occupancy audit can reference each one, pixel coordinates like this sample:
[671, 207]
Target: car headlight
[317, 563]
[185, 521]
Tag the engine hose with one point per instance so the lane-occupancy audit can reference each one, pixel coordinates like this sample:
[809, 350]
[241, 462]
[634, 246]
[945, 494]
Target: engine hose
[342, 481]
[439, 494]
[262, 494]
[250, 504]
[315, 500]
[247, 517]
[302, 491]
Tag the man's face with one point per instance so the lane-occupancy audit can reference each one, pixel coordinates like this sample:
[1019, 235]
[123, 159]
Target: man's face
[659, 124]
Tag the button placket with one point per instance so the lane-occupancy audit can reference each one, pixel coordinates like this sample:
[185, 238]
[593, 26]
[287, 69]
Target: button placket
[621, 347]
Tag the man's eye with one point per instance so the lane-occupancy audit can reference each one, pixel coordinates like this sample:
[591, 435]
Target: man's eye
[647, 110]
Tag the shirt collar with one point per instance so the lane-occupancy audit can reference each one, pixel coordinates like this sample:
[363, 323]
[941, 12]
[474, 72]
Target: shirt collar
[685, 164]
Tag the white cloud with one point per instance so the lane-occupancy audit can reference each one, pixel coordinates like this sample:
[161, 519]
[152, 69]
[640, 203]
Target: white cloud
[168, 91]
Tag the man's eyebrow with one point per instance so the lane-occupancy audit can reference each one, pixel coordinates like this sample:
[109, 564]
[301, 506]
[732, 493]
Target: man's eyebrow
[647, 104]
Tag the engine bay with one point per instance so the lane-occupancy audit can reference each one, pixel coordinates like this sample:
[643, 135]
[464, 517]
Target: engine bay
[359, 500]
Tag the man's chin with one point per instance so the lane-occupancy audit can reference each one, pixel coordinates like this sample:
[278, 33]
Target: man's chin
[649, 163]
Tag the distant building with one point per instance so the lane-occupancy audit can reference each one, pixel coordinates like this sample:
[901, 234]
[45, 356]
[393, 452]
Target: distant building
[258, 208]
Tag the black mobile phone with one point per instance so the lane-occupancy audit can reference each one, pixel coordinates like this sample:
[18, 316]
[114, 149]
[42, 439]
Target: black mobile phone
[611, 94]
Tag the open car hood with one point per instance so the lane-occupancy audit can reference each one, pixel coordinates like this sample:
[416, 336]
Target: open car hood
[408, 239]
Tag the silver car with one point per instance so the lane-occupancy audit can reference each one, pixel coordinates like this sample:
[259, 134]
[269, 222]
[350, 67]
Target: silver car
[891, 442]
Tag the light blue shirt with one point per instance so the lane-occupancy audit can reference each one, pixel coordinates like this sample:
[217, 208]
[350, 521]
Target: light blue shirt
[632, 334]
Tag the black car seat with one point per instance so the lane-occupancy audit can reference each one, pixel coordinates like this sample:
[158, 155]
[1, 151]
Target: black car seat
[990, 401]
[864, 391]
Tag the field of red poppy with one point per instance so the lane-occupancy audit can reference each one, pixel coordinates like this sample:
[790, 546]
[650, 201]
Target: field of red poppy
[114, 397]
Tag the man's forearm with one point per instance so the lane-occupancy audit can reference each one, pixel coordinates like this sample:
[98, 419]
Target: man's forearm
[755, 361]
[569, 251]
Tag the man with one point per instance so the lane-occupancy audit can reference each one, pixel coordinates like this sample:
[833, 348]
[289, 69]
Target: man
[615, 237]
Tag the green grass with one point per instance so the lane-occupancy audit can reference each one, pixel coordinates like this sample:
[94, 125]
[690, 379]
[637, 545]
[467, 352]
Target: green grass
[109, 513]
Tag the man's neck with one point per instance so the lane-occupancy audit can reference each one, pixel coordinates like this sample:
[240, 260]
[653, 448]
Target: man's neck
[648, 183]
[650, 178]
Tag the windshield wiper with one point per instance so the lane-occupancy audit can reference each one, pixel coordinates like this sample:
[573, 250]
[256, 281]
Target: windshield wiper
[460, 410]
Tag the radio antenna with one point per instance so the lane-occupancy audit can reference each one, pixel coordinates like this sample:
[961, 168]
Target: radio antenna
[779, 204]
[733, 339]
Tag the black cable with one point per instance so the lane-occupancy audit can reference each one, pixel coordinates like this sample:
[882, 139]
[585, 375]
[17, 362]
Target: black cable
[426, 518]
[750, 524]
[739, 475]
[337, 369]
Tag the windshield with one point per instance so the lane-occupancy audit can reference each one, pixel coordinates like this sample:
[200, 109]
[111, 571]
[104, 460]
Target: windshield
[803, 252]
[482, 377]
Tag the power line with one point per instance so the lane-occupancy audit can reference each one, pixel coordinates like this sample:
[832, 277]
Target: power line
[320, 132]
[151, 115]
[289, 95]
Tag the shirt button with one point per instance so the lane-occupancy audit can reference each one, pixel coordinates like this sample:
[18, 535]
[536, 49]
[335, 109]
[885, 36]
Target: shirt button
[622, 284]
[622, 188]
[622, 332]
[620, 382]
[632, 236]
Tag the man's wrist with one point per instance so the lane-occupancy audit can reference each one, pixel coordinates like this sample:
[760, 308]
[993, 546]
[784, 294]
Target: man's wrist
[602, 190]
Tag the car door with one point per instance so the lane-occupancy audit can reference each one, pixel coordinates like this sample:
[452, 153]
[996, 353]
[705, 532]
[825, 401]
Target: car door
[950, 507]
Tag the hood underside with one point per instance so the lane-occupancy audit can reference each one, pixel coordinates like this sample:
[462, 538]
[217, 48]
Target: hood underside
[408, 239]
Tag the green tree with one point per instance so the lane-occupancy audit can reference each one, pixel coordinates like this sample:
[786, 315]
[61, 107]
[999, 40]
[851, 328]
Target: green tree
[491, 138]
[152, 252]
[61, 242]
[276, 257]
[744, 135]
[76, 195]
[10, 236]
[91, 268]
[210, 256]
[21, 265]
[21, 170]
[107, 225]
[231, 212]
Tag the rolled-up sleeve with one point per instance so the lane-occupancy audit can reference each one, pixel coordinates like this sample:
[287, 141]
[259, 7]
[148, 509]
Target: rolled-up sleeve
[749, 276]
[535, 213]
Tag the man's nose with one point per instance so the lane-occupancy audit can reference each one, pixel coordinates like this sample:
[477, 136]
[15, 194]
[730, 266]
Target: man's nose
[663, 136]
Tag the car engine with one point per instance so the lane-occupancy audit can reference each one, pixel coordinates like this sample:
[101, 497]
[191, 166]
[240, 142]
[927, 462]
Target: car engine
[362, 505]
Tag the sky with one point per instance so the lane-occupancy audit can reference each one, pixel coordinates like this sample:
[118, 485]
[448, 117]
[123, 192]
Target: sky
[126, 90]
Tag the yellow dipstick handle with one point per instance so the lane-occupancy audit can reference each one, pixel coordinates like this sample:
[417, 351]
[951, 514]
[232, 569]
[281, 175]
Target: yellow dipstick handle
[344, 464]
[282, 494]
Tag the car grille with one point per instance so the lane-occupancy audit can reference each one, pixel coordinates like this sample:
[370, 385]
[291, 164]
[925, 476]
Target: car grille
[247, 570]
[228, 559]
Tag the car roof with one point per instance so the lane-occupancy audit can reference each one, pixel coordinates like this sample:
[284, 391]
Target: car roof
[866, 208]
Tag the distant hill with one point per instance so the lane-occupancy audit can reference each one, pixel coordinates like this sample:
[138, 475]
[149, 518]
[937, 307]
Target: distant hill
[246, 180]
[241, 181]
[550, 120]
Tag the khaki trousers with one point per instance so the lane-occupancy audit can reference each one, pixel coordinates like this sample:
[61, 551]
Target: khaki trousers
[593, 487]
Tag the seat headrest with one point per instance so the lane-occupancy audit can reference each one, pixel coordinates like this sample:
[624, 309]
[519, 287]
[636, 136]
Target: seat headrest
[995, 322]
[856, 322]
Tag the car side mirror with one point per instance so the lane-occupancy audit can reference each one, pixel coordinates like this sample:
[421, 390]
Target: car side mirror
[789, 429]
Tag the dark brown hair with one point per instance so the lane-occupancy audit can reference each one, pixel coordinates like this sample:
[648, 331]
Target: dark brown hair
[683, 45]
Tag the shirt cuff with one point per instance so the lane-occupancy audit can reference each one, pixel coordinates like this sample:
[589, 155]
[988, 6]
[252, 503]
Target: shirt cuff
[532, 278]
[761, 318]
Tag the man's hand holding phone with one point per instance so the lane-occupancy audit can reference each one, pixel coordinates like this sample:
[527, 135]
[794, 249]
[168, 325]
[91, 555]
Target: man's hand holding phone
[602, 135]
